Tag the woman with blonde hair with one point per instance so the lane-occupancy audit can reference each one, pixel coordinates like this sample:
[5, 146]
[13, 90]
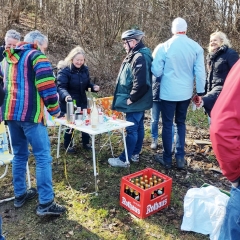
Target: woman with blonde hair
[72, 82]
[220, 59]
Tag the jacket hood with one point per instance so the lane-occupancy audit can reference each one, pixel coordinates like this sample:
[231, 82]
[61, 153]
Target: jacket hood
[12, 55]
[140, 47]
[146, 51]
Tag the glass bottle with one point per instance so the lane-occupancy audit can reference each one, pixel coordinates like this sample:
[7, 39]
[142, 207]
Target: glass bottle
[137, 196]
[132, 194]
[151, 184]
[89, 101]
[94, 115]
[127, 190]
[74, 105]
[153, 195]
[159, 191]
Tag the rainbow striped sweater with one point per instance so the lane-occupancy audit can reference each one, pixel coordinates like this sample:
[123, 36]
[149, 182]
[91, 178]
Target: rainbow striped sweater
[28, 83]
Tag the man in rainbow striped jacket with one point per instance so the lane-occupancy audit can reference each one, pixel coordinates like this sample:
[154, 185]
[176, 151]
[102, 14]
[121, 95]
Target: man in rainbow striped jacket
[29, 85]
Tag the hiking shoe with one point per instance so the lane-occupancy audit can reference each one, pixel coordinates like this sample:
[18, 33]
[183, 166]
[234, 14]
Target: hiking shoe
[27, 196]
[135, 158]
[116, 162]
[71, 150]
[180, 163]
[87, 146]
[159, 158]
[154, 143]
[51, 208]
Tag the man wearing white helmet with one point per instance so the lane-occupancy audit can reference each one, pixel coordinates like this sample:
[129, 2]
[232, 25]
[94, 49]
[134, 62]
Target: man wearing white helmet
[133, 94]
[178, 62]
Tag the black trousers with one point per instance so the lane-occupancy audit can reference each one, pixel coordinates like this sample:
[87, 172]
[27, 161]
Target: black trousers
[68, 137]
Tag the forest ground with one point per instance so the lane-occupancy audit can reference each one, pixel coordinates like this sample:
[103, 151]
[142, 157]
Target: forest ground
[91, 217]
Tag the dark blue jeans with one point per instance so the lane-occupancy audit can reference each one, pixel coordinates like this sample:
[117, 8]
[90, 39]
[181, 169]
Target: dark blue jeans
[155, 115]
[230, 229]
[169, 109]
[1, 236]
[23, 133]
[135, 135]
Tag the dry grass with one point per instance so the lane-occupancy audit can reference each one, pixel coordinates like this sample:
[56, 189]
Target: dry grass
[101, 217]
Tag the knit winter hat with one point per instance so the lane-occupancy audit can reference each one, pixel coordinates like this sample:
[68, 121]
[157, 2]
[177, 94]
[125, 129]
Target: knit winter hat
[179, 25]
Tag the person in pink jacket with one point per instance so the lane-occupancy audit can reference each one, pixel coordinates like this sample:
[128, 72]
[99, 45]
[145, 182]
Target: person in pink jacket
[225, 137]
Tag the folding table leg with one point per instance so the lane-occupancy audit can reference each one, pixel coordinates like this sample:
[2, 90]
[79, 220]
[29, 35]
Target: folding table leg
[125, 146]
[94, 163]
[59, 139]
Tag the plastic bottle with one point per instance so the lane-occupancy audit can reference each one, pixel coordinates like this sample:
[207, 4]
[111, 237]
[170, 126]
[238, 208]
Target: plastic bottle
[94, 115]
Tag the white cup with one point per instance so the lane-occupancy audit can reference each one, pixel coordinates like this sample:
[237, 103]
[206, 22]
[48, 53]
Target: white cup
[78, 122]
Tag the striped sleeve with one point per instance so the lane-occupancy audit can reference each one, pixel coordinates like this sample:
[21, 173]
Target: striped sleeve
[45, 82]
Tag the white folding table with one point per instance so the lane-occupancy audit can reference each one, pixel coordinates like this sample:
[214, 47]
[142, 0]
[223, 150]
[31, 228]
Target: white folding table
[108, 126]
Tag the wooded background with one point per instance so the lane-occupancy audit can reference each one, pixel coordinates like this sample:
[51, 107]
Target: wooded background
[96, 25]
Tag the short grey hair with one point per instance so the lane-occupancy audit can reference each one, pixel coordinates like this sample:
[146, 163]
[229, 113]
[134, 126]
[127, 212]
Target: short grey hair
[12, 34]
[36, 35]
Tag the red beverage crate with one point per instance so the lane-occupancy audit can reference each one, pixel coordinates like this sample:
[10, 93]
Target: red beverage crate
[145, 206]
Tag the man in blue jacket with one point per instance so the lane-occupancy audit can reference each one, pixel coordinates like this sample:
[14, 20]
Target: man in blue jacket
[177, 61]
[133, 94]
